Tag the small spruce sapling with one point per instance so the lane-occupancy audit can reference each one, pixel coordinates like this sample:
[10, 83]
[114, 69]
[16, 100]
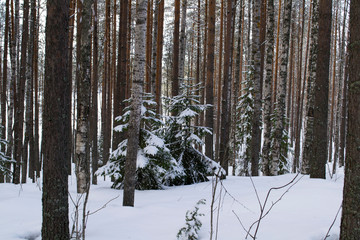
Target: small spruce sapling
[154, 161]
[5, 161]
[183, 137]
[245, 109]
[193, 223]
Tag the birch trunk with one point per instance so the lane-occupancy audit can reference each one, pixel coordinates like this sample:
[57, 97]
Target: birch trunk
[135, 115]
[256, 80]
[267, 103]
[83, 108]
[279, 153]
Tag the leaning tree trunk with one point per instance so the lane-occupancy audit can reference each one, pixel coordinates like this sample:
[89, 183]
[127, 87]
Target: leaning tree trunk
[351, 209]
[135, 115]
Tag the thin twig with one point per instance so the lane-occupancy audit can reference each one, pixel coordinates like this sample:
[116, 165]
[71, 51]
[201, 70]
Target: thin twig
[332, 224]
[104, 206]
[262, 215]
[242, 225]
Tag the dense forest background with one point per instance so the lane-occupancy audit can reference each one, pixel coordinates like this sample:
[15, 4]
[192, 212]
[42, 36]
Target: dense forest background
[157, 93]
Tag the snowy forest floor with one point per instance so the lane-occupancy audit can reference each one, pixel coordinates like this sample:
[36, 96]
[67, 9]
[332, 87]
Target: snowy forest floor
[305, 212]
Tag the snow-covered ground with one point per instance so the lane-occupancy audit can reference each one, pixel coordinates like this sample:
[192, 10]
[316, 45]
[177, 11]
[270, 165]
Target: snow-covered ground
[305, 212]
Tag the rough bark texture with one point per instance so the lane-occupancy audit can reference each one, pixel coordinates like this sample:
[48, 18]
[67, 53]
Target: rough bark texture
[256, 79]
[267, 104]
[210, 79]
[350, 228]
[218, 115]
[182, 40]
[82, 153]
[135, 115]
[309, 124]
[279, 150]
[120, 88]
[159, 44]
[94, 97]
[55, 224]
[224, 151]
[4, 76]
[20, 94]
[175, 68]
[320, 154]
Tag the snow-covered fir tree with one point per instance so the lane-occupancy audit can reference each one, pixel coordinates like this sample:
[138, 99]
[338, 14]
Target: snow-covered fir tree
[155, 165]
[5, 161]
[245, 110]
[183, 137]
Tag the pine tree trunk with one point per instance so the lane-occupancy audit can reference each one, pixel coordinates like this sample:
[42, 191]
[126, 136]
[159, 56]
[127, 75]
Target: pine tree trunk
[135, 115]
[309, 125]
[349, 229]
[71, 43]
[218, 115]
[267, 91]
[148, 53]
[255, 78]
[94, 97]
[55, 224]
[182, 40]
[224, 151]
[154, 48]
[36, 100]
[20, 94]
[120, 87]
[320, 154]
[175, 68]
[159, 44]
[210, 79]
[5, 76]
[83, 104]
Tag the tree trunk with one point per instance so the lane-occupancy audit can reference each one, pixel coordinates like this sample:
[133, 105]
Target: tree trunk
[159, 44]
[210, 79]
[309, 125]
[94, 97]
[83, 103]
[280, 150]
[4, 77]
[224, 151]
[351, 210]
[320, 154]
[175, 70]
[182, 40]
[218, 115]
[267, 103]
[135, 115]
[55, 224]
[20, 94]
[148, 53]
[255, 78]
